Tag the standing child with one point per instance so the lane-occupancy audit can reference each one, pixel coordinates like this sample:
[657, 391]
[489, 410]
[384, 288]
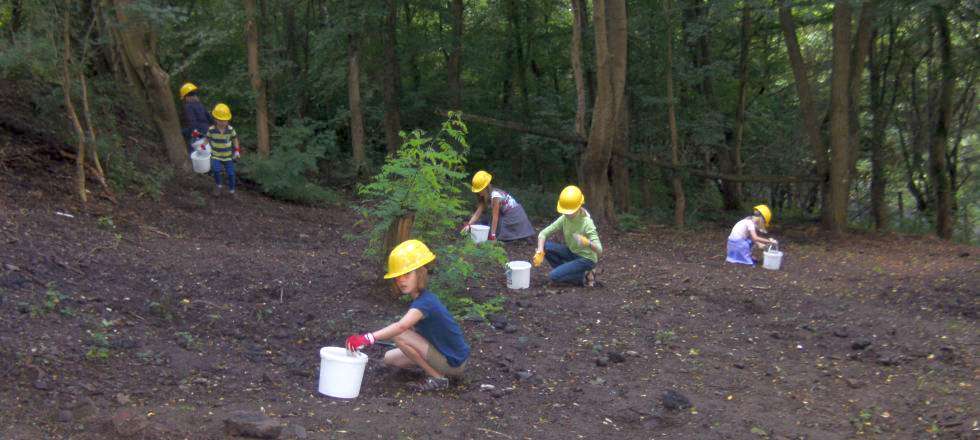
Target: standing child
[225, 149]
[573, 261]
[195, 118]
[427, 336]
[744, 234]
[506, 216]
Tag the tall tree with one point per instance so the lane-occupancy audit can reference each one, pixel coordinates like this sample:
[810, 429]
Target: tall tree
[937, 148]
[577, 30]
[880, 114]
[859, 53]
[839, 119]
[454, 64]
[69, 104]
[392, 79]
[255, 78]
[608, 121]
[680, 203]
[137, 42]
[807, 107]
[745, 36]
[354, 92]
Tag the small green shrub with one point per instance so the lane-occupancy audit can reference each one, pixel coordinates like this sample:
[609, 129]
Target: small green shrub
[630, 222]
[425, 178]
[105, 222]
[283, 175]
[124, 175]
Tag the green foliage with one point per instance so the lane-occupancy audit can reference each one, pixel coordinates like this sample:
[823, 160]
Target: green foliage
[53, 300]
[285, 174]
[124, 175]
[423, 178]
[105, 222]
[631, 222]
[464, 261]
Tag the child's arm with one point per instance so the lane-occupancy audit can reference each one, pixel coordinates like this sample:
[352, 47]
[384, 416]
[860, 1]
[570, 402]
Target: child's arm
[238, 147]
[543, 235]
[494, 218]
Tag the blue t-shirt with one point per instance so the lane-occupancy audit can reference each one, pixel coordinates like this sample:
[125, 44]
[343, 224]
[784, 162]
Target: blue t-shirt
[440, 329]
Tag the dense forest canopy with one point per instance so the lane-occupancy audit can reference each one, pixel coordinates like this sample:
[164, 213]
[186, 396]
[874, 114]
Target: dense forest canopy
[859, 113]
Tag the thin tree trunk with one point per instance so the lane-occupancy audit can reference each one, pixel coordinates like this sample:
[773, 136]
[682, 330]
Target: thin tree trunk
[137, 42]
[354, 98]
[454, 64]
[675, 181]
[743, 87]
[807, 107]
[858, 56]
[876, 75]
[392, 79]
[255, 77]
[607, 123]
[840, 119]
[580, 107]
[937, 150]
[70, 106]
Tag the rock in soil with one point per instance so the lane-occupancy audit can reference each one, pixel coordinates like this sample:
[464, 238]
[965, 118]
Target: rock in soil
[861, 344]
[616, 358]
[602, 361]
[510, 328]
[523, 375]
[42, 385]
[841, 332]
[294, 432]
[889, 360]
[65, 416]
[128, 423]
[674, 400]
[252, 424]
[854, 383]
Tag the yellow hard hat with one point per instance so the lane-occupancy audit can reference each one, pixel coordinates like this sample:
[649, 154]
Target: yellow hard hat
[187, 88]
[221, 112]
[480, 181]
[570, 200]
[408, 256]
[766, 214]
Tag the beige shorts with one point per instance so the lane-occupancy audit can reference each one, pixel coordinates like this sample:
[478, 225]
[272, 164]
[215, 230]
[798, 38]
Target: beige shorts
[441, 364]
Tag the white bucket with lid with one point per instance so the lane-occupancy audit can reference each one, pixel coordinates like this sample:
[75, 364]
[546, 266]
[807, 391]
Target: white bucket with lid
[518, 275]
[772, 258]
[479, 233]
[341, 372]
[201, 159]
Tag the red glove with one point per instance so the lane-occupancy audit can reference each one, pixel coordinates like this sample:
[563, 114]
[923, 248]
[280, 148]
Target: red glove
[195, 134]
[492, 237]
[357, 342]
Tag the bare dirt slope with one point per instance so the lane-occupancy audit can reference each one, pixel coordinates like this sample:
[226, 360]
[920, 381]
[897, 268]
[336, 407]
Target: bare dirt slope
[159, 319]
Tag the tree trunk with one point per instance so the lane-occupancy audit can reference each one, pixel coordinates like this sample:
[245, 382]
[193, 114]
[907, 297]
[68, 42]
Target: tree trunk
[607, 118]
[354, 99]
[136, 39]
[70, 107]
[454, 64]
[858, 56]
[392, 80]
[255, 77]
[743, 87]
[879, 181]
[807, 107]
[937, 148]
[675, 181]
[840, 143]
[580, 107]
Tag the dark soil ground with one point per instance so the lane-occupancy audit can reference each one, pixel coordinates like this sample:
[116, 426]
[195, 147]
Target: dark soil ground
[177, 313]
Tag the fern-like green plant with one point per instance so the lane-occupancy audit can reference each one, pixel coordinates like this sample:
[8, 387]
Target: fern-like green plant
[283, 175]
[422, 178]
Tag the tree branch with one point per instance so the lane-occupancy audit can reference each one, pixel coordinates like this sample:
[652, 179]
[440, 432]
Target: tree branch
[509, 125]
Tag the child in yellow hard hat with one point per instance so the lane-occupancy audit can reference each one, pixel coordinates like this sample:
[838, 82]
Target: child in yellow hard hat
[744, 233]
[225, 149]
[195, 119]
[507, 219]
[573, 261]
[427, 336]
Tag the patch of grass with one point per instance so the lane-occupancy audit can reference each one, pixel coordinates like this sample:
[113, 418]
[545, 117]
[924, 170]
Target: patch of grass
[105, 222]
[53, 300]
[864, 422]
[664, 337]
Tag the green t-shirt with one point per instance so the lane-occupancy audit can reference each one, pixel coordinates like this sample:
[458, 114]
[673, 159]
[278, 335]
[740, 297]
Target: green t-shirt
[580, 224]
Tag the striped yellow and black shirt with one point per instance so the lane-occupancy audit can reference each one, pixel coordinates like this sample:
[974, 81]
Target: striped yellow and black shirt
[221, 142]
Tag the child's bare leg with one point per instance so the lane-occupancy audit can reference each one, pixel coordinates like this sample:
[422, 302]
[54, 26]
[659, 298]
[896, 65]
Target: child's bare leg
[413, 346]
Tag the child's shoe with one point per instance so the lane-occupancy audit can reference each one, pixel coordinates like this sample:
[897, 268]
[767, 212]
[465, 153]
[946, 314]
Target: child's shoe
[216, 191]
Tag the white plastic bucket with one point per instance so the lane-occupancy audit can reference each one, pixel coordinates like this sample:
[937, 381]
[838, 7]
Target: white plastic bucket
[341, 372]
[518, 275]
[201, 161]
[772, 258]
[479, 233]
